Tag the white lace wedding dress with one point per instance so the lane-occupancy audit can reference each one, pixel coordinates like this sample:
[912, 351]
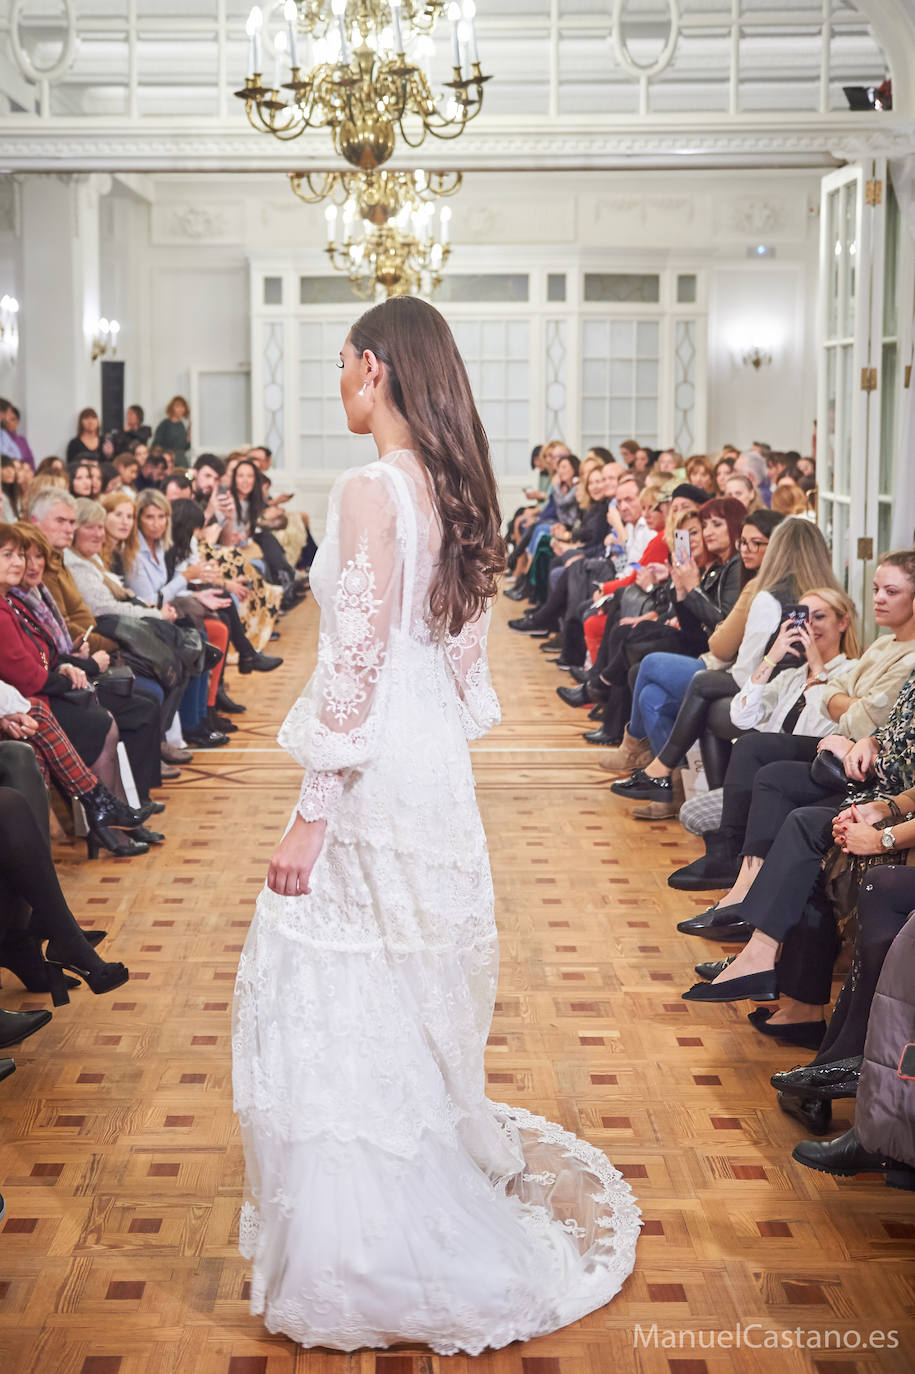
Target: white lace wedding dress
[387, 1199]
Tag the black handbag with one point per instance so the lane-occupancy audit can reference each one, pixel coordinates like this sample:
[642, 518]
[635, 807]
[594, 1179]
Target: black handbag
[828, 771]
[143, 650]
[119, 680]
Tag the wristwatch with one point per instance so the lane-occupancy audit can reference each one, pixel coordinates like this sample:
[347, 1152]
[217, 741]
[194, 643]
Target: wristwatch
[888, 839]
[822, 676]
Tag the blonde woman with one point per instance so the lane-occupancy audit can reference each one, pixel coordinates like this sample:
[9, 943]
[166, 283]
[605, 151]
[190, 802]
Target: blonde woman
[41, 482]
[739, 486]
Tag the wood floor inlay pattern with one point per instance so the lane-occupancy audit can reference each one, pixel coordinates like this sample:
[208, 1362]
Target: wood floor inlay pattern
[121, 1165]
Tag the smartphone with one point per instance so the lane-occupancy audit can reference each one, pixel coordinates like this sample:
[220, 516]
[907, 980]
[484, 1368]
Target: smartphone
[85, 636]
[797, 615]
[681, 546]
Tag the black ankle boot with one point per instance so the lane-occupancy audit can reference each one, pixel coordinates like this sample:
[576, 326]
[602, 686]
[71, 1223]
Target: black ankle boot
[227, 706]
[718, 867]
[103, 809]
[258, 663]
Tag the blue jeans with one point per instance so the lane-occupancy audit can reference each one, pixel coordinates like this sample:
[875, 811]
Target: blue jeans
[657, 695]
[193, 707]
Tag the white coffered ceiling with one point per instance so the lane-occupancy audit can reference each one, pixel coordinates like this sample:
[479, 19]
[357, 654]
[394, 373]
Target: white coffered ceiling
[147, 84]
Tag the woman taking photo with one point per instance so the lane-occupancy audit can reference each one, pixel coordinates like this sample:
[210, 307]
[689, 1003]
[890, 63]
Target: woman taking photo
[249, 491]
[387, 1199]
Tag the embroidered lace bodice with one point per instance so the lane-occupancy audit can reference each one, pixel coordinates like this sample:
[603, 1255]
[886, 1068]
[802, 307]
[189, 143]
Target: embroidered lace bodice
[372, 577]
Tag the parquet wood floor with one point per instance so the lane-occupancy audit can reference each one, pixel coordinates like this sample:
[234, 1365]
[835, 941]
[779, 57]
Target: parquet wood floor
[121, 1165]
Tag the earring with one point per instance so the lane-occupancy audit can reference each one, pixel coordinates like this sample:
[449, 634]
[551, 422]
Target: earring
[362, 388]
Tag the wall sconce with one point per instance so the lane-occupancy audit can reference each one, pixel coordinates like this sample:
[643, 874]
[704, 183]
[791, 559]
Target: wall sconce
[9, 326]
[756, 358]
[106, 339]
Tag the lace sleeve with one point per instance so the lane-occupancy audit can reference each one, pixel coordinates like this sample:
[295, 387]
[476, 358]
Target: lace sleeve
[333, 726]
[477, 701]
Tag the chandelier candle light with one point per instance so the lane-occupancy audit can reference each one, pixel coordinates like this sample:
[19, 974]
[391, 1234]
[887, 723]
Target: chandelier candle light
[399, 254]
[362, 85]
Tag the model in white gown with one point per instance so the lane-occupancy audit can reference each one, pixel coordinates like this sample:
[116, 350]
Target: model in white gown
[387, 1199]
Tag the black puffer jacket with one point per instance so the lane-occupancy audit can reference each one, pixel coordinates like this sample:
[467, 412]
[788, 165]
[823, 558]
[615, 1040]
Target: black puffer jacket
[885, 1105]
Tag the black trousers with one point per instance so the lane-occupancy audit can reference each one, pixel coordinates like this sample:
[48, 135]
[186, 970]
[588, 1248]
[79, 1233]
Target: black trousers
[28, 881]
[885, 900]
[788, 902]
[139, 727]
[768, 775]
[706, 687]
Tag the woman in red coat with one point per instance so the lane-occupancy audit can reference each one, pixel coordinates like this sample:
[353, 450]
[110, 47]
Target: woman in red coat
[30, 662]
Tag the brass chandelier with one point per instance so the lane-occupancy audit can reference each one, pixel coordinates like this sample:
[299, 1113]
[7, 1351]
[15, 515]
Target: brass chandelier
[362, 85]
[386, 249]
[379, 194]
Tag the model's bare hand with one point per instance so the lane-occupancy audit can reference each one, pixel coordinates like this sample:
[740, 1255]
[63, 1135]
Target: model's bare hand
[290, 868]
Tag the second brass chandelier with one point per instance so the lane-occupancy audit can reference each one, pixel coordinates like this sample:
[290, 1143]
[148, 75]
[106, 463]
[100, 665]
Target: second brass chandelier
[389, 241]
[362, 85]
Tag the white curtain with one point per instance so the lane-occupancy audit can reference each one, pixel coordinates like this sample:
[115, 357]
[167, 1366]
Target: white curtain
[902, 173]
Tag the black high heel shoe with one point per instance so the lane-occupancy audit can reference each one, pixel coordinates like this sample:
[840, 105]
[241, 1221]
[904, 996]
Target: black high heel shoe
[103, 809]
[122, 846]
[105, 978]
[21, 954]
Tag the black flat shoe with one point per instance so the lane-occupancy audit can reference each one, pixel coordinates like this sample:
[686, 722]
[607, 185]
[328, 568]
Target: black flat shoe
[753, 987]
[259, 663]
[580, 674]
[713, 967]
[823, 1081]
[225, 703]
[19, 1025]
[205, 738]
[845, 1156]
[807, 1035]
[147, 837]
[601, 736]
[575, 696]
[640, 787]
[718, 923]
[517, 593]
[157, 808]
[221, 723]
[7, 1066]
[523, 626]
[552, 645]
[813, 1115]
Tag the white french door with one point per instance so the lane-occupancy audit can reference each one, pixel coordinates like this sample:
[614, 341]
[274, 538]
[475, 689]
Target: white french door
[865, 294]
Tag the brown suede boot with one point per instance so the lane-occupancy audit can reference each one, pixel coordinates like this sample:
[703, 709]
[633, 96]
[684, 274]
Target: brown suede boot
[632, 753]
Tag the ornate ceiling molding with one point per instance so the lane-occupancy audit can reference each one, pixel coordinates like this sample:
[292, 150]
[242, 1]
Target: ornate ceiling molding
[500, 146]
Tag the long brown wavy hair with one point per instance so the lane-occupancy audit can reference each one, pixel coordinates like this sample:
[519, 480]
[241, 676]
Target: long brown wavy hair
[428, 383]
